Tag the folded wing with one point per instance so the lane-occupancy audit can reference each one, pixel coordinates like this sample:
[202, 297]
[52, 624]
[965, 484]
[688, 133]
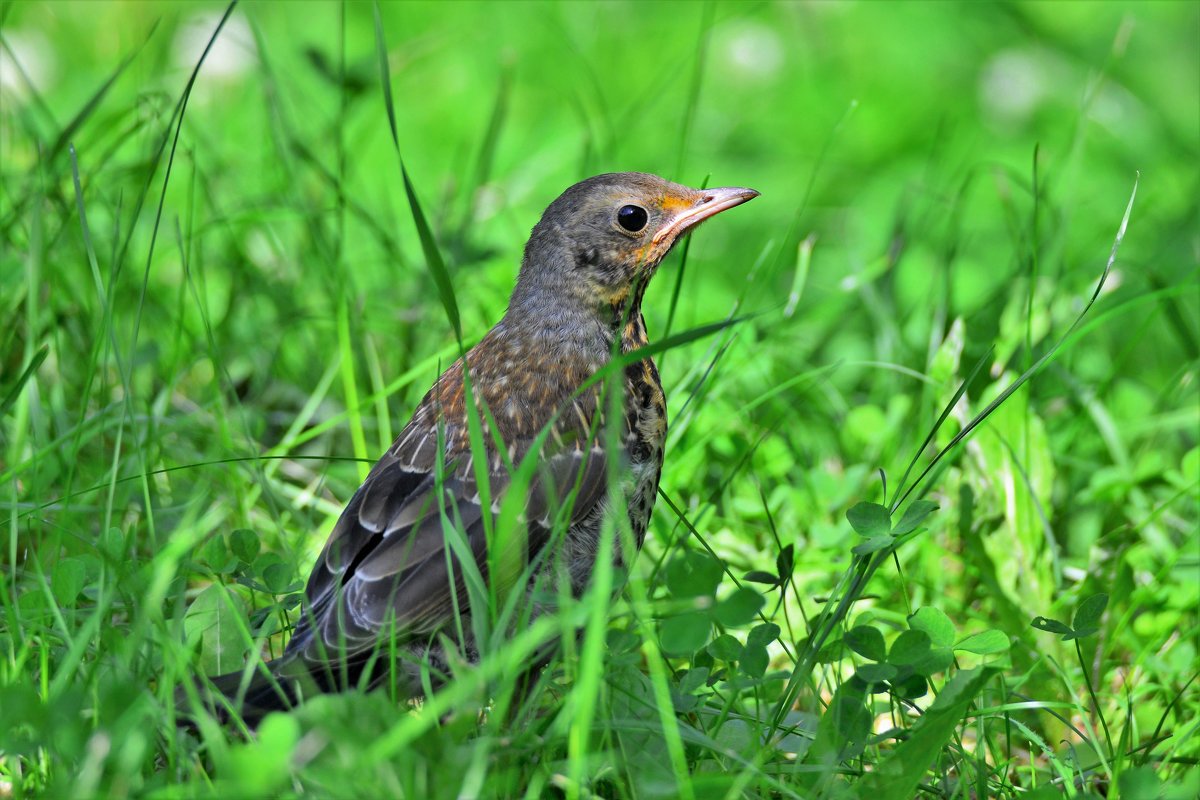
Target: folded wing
[387, 566]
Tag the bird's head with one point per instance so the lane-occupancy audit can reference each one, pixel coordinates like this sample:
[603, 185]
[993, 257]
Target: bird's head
[608, 234]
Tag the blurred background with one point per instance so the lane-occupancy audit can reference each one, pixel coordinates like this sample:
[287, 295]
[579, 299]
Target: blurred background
[942, 184]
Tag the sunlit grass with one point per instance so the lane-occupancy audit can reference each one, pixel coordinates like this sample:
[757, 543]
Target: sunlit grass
[221, 301]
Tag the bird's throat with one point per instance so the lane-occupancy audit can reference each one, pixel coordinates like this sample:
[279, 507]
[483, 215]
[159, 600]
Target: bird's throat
[625, 320]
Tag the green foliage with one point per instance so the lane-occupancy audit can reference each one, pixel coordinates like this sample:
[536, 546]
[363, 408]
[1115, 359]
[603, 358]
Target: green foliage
[1085, 623]
[214, 624]
[901, 771]
[223, 291]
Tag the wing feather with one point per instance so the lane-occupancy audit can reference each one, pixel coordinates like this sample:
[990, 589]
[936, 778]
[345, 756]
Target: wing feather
[385, 565]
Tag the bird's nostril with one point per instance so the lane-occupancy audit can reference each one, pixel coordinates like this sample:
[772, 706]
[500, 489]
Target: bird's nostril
[708, 198]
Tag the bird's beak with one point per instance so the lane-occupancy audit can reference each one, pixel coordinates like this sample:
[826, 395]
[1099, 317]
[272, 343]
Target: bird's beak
[712, 202]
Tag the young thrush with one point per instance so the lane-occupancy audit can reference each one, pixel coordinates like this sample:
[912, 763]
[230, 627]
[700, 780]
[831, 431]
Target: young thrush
[384, 580]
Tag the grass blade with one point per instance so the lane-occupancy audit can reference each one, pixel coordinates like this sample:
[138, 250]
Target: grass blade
[897, 776]
[13, 393]
[433, 257]
[697, 77]
[937, 426]
[485, 159]
[621, 360]
[1037, 366]
[94, 101]
[678, 287]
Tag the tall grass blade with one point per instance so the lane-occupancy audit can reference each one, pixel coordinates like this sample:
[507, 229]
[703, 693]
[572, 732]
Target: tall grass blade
[433, 257]
[800, 276]
[14, 392]
[898, 775]
[487, 155]
[678, 287]
[358, 438]
[97, 97]
[694, 84]
[937, 426]
[619, 361]
[1037, 366]
[177, 120]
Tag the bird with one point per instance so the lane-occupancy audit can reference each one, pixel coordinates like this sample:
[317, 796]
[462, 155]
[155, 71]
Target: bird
[389, 579]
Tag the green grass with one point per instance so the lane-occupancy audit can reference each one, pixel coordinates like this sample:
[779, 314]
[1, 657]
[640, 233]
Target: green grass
[220, 302]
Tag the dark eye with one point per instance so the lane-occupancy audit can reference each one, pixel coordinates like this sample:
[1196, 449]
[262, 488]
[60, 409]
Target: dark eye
[632, 218]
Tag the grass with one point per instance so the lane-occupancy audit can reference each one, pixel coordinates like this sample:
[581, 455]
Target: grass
[929, 521]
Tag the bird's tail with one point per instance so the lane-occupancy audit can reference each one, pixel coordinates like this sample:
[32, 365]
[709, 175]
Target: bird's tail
[273, 686]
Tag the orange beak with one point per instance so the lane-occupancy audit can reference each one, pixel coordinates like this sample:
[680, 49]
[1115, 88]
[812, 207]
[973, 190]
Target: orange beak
[711, 203]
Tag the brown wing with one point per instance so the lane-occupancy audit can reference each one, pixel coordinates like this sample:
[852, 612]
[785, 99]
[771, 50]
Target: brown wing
[385, 566]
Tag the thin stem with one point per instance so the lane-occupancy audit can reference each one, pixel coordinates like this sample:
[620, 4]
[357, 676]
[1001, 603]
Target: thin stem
[1095, 701]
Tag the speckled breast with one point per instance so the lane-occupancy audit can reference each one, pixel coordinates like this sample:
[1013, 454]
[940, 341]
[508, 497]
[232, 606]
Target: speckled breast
[646, 432]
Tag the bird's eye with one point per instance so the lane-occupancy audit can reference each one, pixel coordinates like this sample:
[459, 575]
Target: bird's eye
[632, 218]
